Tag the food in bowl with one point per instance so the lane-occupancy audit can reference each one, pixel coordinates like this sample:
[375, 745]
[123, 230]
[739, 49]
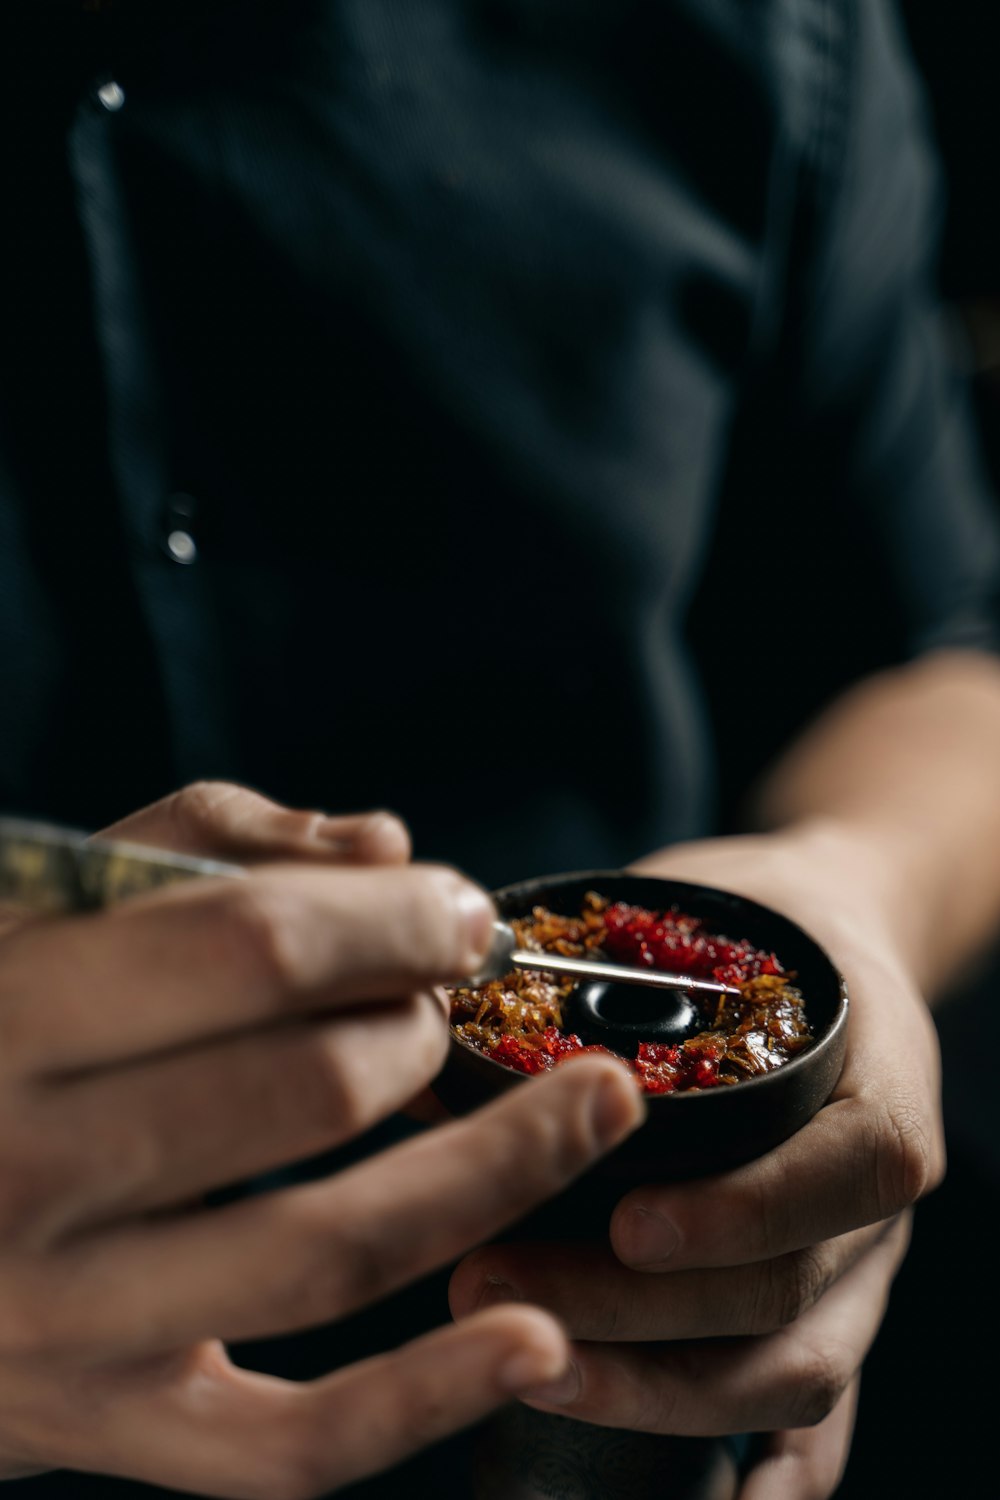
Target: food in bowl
[519, 1020]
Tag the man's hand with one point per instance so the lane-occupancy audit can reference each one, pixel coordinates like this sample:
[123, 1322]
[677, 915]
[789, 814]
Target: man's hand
[746, 1302]
[183, 1041]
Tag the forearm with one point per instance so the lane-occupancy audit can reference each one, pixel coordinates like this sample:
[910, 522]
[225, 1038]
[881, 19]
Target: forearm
[905, 772]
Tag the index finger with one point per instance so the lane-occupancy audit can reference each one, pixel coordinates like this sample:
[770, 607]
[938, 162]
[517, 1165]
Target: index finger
[207, 958]
[228, 821]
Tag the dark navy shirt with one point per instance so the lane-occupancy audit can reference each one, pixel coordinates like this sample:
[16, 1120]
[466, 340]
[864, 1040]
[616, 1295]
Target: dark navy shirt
[520, 413]
[370, 376]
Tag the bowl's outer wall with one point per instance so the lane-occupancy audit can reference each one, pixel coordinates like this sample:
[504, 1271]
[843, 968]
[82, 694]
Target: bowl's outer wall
[706, 1131]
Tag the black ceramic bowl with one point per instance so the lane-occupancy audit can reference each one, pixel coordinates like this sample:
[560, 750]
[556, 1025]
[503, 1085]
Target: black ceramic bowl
[696, 1132]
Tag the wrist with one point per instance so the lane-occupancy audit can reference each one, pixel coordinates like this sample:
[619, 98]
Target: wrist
[877, 881]
[848, 882]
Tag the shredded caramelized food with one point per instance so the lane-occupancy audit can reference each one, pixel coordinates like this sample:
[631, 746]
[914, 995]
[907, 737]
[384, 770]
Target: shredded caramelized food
[518, 1020]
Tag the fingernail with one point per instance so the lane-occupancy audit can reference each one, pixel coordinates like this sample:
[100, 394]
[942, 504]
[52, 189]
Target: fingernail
[477, 914]
[531, 1370]
[650, 1238]
[561, 1392]
[617, 1108]
[495, 1289]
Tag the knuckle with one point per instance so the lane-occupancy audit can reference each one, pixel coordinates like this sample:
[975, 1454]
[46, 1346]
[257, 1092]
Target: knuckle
[821, 1376]
[331, 1095]
[769, 1216]
[908, 1164]
[793, 1283]
[610, 1317]
[258, 921]
[341, 1082]
[647, 1405]
[544, 1143]
[567, 1132]
[195, 809]
[552, 1120]
[655, 1411]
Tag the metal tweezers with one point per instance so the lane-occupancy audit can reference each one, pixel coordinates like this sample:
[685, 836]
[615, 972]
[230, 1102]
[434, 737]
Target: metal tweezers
[48, 869]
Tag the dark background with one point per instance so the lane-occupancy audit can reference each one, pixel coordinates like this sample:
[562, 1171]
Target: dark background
[927, 1405]
[927, 1410]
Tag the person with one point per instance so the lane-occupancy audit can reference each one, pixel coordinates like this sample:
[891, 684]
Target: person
[386, 396]
[119, 1116]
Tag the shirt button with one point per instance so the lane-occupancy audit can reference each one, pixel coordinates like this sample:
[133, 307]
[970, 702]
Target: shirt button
[178, 542]
[112, 96]
[181, 546]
